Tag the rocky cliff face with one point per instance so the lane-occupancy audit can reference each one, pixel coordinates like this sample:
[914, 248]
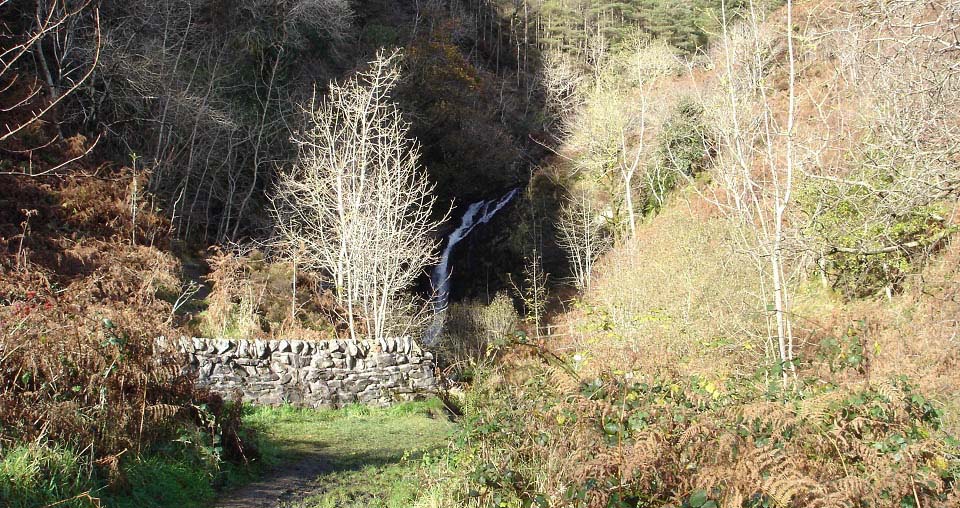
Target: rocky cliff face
[310, 373]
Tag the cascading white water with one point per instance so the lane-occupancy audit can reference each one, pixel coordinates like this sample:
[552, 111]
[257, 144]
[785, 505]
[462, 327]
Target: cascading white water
[477, 213]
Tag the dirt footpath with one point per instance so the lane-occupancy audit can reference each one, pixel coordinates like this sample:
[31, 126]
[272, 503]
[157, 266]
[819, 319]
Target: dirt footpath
[282, 487]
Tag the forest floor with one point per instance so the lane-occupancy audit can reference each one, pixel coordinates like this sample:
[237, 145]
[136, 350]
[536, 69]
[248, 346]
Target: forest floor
[351, 457]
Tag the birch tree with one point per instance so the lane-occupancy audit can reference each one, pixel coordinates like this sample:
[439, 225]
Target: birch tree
[358, 202]
[757, 165]
[580, 235]
[611, 128]
[646, 63]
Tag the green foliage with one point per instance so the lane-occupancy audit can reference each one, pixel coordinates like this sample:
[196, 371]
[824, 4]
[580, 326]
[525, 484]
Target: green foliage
[686, 25]
[38, 474]
[869, 245]
[471, 326]
[178, 474]
[685, 145]
[159, 481]
[847, 351]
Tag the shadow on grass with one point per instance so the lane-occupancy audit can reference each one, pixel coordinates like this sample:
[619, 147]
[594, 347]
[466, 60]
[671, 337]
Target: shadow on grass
[355, 456]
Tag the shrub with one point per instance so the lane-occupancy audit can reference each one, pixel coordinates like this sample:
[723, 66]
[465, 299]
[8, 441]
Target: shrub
[684, 148]
[180, 474]
[470, 327]
[82, 376]
[676, 296]
[253, 295]
[869, 246]
[685, 143]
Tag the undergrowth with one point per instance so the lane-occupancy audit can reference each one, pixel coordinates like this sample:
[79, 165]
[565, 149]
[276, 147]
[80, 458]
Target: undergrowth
[92, 410]
[541, 437]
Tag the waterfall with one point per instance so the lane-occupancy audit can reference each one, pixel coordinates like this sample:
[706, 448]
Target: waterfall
[477, 213]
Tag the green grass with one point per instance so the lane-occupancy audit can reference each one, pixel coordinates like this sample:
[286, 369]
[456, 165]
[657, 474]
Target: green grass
[162, 482]
[38, 474]
[371, 456]
[34, 475]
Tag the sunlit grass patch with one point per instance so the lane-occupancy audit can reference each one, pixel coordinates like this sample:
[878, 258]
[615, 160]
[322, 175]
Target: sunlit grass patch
[371, 456]
[37, 474]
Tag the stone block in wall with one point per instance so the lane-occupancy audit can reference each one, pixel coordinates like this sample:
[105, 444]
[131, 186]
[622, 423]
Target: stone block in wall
[426, 382]
[384, 360]
[322, 362]
[360, 385]
[370, 396]
[290, 360]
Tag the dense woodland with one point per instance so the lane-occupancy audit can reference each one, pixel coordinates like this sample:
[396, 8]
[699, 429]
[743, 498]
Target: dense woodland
[730, 277]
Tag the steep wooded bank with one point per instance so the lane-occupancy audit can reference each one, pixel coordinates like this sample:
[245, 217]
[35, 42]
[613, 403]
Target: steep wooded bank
[203, 97]
[763, 238]
[737, 223]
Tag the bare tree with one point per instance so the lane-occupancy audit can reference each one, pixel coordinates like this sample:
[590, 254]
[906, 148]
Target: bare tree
[532, 290]
[331, 17]
[646, 62]
[357, 202]
[580, 235]
[204, 100]
[51, 38]
[611, 128]
[562, 82]
[756, 166]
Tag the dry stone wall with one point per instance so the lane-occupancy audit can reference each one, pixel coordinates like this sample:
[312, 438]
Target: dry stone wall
[311, 373]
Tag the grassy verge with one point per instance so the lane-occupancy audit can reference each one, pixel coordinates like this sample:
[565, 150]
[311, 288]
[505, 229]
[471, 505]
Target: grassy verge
[367, 457]
[34, 475]
[371, 457]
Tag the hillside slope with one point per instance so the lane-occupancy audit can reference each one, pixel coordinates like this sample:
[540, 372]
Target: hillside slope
[800, 190]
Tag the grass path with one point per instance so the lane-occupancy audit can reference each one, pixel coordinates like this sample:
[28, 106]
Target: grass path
[351, 457]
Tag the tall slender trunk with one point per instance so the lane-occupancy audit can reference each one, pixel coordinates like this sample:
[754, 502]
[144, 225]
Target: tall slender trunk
[631, 213]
